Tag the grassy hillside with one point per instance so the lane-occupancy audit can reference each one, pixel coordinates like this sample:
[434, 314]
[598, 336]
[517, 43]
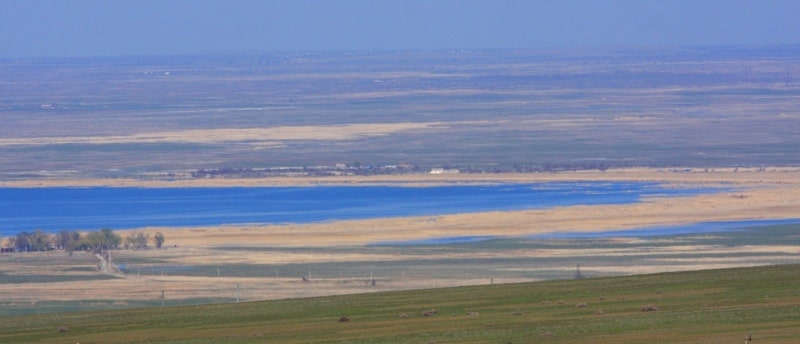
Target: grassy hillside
[692, 307]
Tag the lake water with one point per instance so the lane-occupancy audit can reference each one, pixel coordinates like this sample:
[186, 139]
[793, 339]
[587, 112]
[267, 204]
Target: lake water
[56, 208]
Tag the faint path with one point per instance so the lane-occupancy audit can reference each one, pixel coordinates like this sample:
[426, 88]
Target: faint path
[107, 268]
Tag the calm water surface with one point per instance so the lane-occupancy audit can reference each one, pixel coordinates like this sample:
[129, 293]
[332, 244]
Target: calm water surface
[53, 209]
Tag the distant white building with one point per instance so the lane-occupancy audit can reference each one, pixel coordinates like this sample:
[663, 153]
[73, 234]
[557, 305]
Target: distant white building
[444, 171]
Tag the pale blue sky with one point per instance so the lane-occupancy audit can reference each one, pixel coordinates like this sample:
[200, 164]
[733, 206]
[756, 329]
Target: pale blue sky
[145, 27]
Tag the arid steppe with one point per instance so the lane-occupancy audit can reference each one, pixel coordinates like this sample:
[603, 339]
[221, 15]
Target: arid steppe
[250, 262]
[720, 117]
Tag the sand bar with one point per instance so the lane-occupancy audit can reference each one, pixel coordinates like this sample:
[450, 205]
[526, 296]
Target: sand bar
[755, 195]
[766, 203]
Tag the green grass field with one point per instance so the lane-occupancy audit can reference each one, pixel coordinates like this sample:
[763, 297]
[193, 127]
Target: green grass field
[712, 306]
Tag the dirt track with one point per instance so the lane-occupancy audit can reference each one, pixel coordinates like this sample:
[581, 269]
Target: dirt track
[771, 194]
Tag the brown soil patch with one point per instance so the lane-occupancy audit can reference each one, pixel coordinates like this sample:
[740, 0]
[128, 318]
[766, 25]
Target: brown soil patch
[255, 136]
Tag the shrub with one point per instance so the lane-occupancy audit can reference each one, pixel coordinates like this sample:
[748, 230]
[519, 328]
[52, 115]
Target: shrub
[649, 308]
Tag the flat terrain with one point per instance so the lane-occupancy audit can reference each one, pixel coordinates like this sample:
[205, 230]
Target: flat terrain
[759, 200]
[705, 116]
[256, 262]
[478, 111]
[715, 306]
[754, 194]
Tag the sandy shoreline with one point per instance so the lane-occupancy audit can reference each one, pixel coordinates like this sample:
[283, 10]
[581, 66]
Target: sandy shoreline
[332, 247]
[772, 175]
[755, 204]
[757, 194]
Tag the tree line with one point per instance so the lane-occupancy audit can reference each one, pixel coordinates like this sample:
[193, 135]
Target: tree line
[95, 241]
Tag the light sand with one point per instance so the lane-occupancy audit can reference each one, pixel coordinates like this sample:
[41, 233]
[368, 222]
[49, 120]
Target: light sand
[274, 136]
[771, 194]
[746, 176]
[756, 196]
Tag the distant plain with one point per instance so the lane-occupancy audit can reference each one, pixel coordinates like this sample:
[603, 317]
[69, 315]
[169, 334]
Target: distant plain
[479, 111]
[696, 116]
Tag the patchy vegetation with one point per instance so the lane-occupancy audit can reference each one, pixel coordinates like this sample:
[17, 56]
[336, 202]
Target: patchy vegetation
[475, 111]
[71, 241]
[701, 306]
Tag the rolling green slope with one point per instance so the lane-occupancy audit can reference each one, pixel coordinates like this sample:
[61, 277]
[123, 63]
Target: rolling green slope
[688, 307]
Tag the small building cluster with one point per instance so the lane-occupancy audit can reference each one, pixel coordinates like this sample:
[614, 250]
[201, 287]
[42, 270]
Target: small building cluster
[445, 171]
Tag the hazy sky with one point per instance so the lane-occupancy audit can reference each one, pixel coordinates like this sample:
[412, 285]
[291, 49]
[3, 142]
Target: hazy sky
[140, 27]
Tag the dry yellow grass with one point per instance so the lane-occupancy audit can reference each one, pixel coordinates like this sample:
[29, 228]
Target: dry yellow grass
[770, 194]
[756, 177]
[256, 136]
[758, 195]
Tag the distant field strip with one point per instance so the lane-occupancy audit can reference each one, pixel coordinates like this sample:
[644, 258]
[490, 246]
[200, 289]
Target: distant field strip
[256, 136]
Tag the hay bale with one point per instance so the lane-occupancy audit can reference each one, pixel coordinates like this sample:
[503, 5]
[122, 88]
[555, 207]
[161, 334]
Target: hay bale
[63, 329]
[473, 314]
[403, 315]
[344, 319]
[581, 305]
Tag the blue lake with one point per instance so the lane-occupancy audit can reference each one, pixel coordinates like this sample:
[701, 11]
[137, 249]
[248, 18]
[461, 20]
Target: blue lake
[53, 209]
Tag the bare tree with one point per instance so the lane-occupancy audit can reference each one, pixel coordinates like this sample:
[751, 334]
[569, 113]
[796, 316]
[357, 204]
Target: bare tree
[159, 239]
[36, 241]
[137, 241]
